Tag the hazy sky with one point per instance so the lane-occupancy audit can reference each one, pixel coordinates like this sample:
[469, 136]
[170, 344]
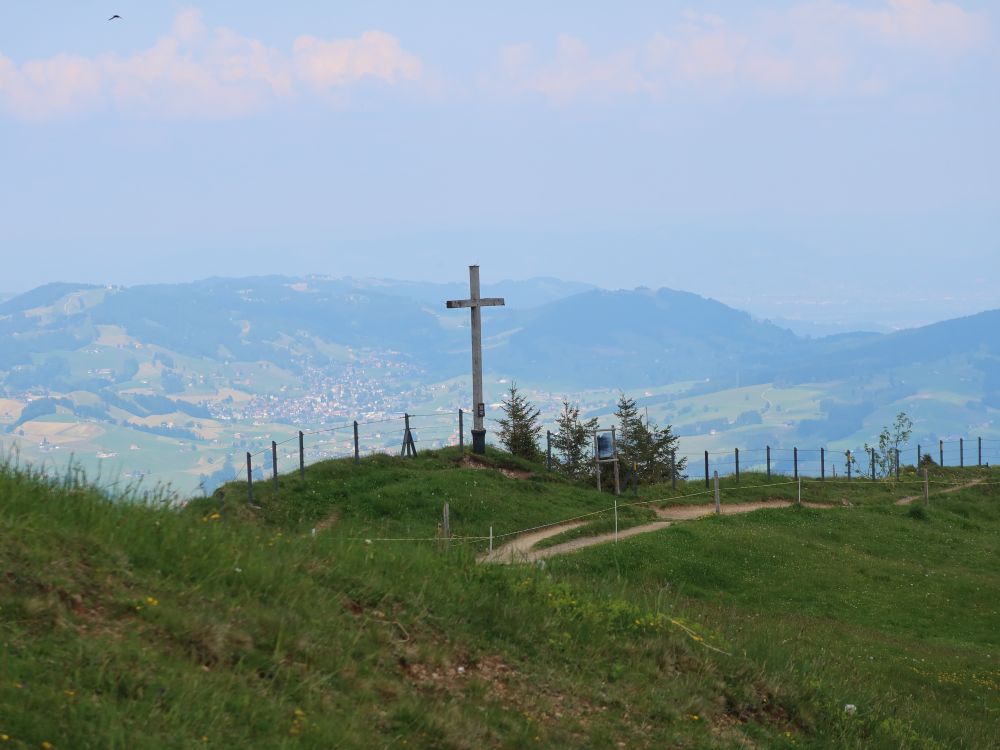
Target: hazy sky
[805, 155]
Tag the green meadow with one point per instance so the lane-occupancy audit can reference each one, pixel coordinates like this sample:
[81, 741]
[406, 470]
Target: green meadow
[332, 614]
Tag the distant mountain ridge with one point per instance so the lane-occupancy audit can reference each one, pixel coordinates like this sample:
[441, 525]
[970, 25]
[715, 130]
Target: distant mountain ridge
[586, 338]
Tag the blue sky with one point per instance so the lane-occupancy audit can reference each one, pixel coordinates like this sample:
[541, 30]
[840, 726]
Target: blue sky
[814, 158]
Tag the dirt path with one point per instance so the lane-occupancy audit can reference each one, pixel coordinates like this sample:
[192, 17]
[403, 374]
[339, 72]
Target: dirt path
[521, 548]
[956, 488]
[518, 549]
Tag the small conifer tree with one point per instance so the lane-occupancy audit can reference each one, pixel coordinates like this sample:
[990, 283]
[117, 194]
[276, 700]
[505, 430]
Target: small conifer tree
[573, 441]
[651, 448]
[520, 426]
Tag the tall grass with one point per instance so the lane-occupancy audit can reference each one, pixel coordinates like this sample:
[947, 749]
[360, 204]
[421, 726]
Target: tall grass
[130, 624]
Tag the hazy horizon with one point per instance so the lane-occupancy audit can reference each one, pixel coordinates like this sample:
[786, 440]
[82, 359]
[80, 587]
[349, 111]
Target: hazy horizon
[826, 160]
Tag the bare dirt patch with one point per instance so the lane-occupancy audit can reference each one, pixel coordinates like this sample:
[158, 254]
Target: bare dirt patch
[329, 522]
[470, 462]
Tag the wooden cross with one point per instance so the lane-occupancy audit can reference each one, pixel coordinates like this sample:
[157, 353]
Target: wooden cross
[475, 302]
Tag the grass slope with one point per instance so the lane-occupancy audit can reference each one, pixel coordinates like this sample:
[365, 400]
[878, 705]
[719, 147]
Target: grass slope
[892, 609]
[130, 626]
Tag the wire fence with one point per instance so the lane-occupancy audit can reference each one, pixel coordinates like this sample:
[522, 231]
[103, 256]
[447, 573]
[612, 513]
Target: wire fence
[400, 435]
[405, 434]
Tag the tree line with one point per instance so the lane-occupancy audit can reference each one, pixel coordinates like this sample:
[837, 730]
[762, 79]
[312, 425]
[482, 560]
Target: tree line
[643, 446]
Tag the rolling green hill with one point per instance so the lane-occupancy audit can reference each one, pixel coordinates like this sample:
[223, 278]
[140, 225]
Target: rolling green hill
[333, 616]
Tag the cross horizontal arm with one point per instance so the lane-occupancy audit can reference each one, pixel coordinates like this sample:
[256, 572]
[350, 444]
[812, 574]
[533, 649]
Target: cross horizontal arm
[482, 302]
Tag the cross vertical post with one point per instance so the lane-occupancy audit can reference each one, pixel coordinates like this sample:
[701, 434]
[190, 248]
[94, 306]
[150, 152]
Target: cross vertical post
[475, 303]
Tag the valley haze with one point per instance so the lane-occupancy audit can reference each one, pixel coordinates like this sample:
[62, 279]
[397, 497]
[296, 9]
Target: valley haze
[175, 382]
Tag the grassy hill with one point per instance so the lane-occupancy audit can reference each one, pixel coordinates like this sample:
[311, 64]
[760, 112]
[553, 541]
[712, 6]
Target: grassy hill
[298, 624]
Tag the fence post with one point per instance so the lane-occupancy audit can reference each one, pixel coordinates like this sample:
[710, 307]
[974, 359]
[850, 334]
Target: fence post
[927, 490]
[461, 432]
[614, 446]
[445, 524]
[635, 479]
[706, 468]
[980, 452]
[274, 463]
[357, 448]
[822, 464]
[849, 457]
[491, 538]
[917, 464]
[249, 479]
[795, 463]
[616, 518]
[718, 504]
[548, 450]
[769, 462]
[873, 463]
[941, 453]
[673, 469]
[961, 453]
[798, 500]
[737, 466]
[302, 455]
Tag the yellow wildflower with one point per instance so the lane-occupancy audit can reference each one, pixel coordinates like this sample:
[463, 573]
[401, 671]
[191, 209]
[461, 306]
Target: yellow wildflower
[152, 601]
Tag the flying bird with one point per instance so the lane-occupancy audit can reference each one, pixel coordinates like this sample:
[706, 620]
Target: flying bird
[114, 17]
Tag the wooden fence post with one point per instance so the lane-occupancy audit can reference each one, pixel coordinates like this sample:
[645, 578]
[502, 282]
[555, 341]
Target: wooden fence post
[445, 524]
[737, 466]
[769, 462]
[849, 462]
[614, 449]
[980, 452]
[961, 453]
[249, 479]
[795, 463]
[941, 452]
[873, 463]
[274, 463]
[302, 455]
[706, 468]
[616, 518]
[822, 464]
[461, 432]
[357, 447]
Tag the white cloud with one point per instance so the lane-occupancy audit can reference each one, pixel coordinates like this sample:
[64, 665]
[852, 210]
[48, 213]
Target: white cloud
[196, 72]
[820, 46]
[340, 62]
[573, 72]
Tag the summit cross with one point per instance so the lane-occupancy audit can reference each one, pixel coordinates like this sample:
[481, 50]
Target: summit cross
[475, 302]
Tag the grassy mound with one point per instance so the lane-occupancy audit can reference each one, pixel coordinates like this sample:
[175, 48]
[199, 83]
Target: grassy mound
[218, 625]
